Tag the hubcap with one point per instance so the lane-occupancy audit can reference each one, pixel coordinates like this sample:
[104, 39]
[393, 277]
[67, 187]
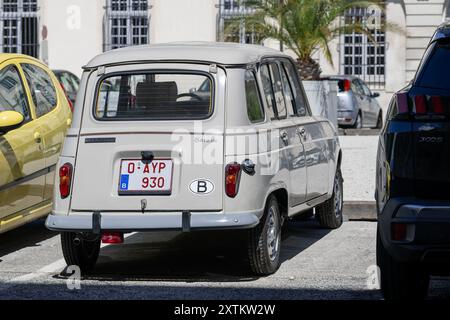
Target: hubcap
[273, 234]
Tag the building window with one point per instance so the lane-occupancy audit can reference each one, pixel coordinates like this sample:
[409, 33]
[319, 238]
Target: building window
[230, 12]
[126, 23]
[19, 27]
[361, 55]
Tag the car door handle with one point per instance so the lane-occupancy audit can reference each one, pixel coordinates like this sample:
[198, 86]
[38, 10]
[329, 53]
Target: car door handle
[284, 136]
[37, 137]
[301, 131]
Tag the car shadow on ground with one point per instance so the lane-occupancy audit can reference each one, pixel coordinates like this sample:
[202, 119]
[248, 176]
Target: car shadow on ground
[60, 291]
[193, 257]
[29, 235]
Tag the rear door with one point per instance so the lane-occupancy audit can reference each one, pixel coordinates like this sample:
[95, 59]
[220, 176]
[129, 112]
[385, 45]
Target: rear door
[148, 141]
[372, 110]
[52, 115]
[296, 155]
[361, 99]
[313, 140]
[280, 112]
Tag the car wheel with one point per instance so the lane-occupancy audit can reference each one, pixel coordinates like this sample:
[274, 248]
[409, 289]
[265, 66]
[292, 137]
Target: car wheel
[400, 281]
[329, 213]
[358, 122]
[379, 121]
[82, 251]
[264, 241]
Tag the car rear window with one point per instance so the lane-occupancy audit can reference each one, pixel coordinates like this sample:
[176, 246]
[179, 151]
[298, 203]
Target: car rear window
[436, 70]
[153, 96]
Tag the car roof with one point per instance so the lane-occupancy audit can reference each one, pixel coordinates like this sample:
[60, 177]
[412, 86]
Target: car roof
[8, 56]
[339, 77]
[443, 31]
[210, 52]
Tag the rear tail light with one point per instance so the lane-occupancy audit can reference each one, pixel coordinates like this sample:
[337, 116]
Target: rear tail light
[65, 179]
[112, 238]
[67, 97]
[422, 106]
[438, 107]
[232, 179]
[399, 231]
[345, 85]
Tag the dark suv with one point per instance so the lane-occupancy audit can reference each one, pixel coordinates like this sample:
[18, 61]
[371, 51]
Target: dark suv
[413, 178]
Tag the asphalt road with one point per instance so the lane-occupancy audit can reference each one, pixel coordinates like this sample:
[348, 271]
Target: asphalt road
[317, 264]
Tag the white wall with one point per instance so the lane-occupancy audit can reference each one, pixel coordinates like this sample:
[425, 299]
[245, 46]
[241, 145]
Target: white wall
[74, 32]
[185, 20]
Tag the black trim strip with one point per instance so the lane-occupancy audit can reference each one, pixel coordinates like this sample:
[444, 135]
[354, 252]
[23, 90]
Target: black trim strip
[100, 140]
[29, 177]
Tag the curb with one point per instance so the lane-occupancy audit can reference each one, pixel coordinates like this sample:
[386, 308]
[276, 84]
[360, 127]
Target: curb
[358, 132]
[360, 210]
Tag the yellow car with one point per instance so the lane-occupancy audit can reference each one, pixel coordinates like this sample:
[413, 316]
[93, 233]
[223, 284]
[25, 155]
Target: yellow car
[34, 117]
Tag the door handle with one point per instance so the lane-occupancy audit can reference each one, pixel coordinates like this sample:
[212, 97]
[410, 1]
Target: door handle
[302, 133]
[37, 137]
[284, 136]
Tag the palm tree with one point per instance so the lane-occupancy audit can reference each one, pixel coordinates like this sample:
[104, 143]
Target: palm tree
[305, 26]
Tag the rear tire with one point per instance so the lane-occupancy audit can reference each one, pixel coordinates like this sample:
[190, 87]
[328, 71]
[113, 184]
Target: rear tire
[358, 122]
[85, 254]
[329, 214]
[400, 281]
[379, 121]
[264, 241]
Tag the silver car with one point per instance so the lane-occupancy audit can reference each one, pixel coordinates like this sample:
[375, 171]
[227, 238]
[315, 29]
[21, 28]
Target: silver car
[357, 105]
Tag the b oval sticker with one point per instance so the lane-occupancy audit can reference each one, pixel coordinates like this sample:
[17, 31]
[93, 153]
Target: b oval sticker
[201, 186]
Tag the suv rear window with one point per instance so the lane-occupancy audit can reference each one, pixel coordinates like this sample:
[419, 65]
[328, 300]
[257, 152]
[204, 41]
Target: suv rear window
[436, 70]
[153, 96]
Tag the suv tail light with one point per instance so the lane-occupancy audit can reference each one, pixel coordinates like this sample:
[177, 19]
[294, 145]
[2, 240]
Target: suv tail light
[399, 231]
[423, 106]
[232, 179]
[65, 179]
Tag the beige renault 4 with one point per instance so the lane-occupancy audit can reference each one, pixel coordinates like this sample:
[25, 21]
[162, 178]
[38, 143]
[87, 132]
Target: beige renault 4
[193, 136]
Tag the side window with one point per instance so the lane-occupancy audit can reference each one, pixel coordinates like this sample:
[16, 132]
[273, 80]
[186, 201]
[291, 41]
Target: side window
[278, 91]
[288, 93]
[298, 95]
[67, 83]
[75, 82]
[365, 89]
[356, 87]
[254, 108]
[42, 89]
[268, 90]
[12, 92]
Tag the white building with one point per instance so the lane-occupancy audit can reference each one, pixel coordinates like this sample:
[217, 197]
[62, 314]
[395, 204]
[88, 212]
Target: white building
[68, 33]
